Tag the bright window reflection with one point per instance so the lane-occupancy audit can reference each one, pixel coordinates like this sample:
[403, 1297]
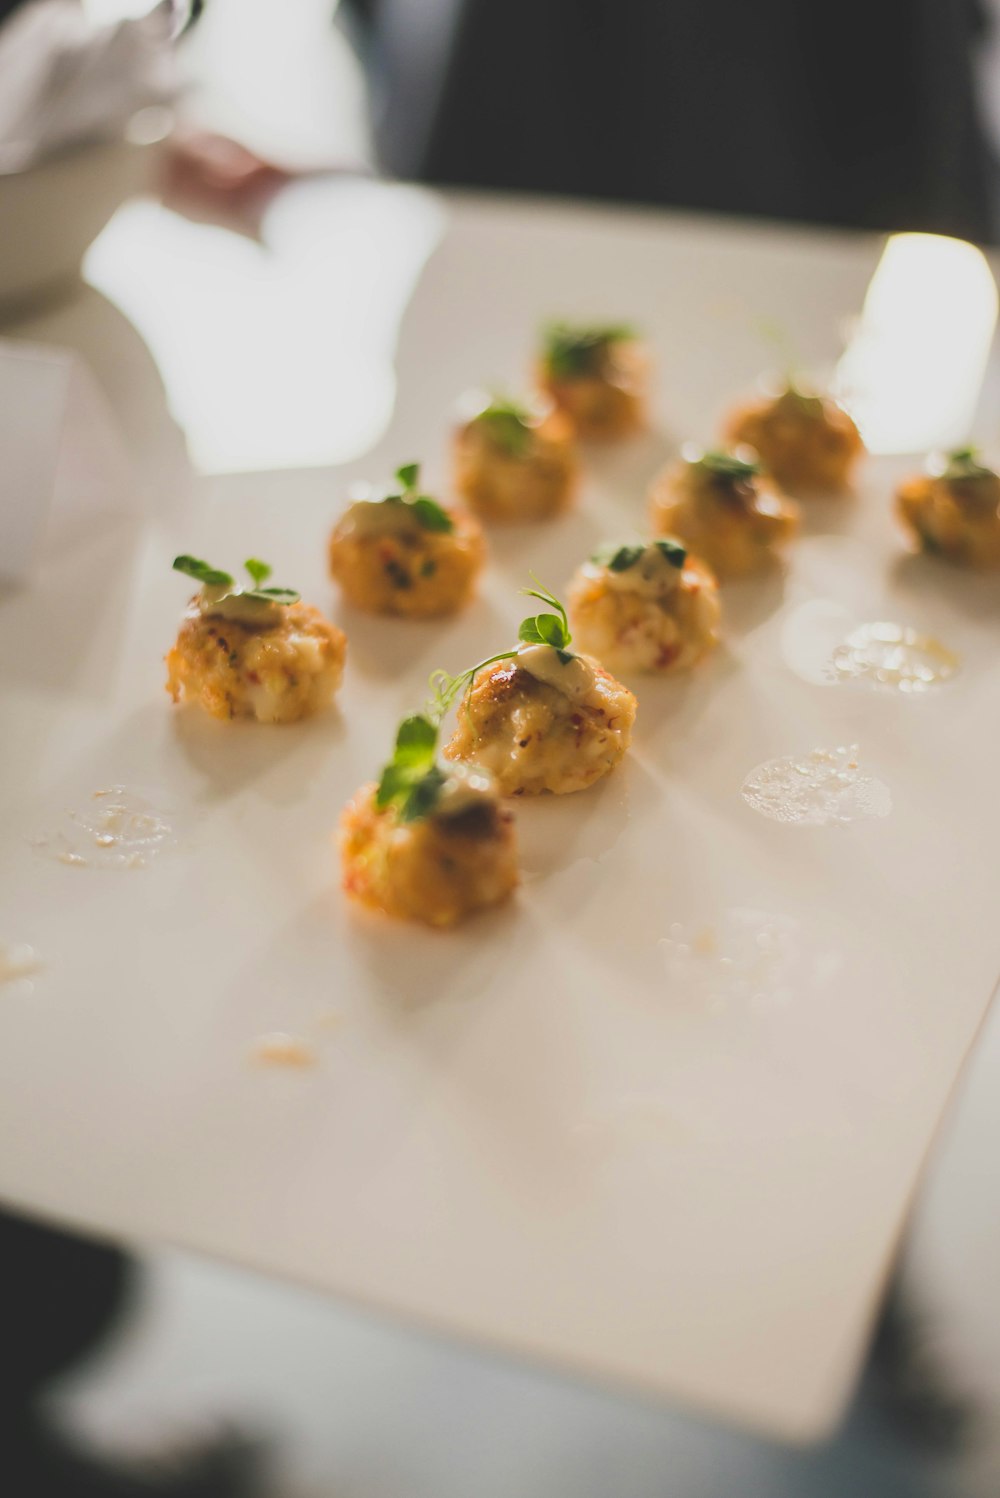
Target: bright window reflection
[912, 373]
[280, 354]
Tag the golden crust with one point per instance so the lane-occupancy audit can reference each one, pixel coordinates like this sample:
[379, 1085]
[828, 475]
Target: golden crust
[610, 404]
[945, 522]
[413, 572]
[808, 446]
[633, 631]
[737, 532]
[501, 486]
[533, 738]
[276, 675]
[437, 870]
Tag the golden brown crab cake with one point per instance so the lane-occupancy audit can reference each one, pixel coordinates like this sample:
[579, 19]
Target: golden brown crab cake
[649, 608]
[515, 462]
[283, 665]
[718, 504]
[807, 442]
[953, 510]
[543, 720]
[439, 868]
[398, 551]
[598, 377]
[251, 650]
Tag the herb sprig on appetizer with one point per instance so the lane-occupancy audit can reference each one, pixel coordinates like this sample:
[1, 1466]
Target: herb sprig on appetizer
[215, 578]
[573, 351]
[251, 650]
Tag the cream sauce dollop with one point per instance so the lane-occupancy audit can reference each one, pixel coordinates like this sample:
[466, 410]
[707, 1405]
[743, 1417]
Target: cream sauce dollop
[652, 576]
[222, 602]
[376, 517]
[574, 678]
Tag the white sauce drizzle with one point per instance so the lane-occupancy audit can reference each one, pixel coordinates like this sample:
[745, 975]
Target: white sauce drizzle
[575, 678]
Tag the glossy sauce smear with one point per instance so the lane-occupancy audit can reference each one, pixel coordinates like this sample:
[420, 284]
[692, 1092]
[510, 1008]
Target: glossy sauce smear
[826, 787]
[893, 658]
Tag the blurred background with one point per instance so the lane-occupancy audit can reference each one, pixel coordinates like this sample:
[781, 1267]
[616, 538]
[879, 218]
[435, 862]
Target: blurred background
[159, 1373]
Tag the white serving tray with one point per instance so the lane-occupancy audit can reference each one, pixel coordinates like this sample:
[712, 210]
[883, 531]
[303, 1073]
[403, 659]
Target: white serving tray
[554, 1130]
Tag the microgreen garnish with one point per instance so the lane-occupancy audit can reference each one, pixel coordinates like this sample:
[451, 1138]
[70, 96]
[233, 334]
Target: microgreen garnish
[213, 577]
[202, 572]
[962, 463]
[426, 511]
[537, 629]
[621, 557]
[570, 352]
[728, 466]
[508, 423]
[675, 553]
[546, 629]
[412, 780]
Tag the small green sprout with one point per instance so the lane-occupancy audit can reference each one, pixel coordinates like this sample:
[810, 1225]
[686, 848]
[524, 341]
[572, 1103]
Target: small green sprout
[509, 425]
[620, 557]
[426, 511]
[728, 466]
[213, 577]
[538, 629]
[571, 352]
[963, 463]
[412, 780]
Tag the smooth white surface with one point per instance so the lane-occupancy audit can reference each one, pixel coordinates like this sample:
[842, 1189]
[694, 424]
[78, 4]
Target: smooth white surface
[64, 468]
[543, 1130]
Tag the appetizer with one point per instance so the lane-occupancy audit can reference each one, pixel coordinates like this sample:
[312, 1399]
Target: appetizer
[428, 843]
[515, 462]
[540, 716]
[718, 504]
[953, 510]
[598, 376]
[254, 651]
[806, 441]
[400, 552]
[645, 606]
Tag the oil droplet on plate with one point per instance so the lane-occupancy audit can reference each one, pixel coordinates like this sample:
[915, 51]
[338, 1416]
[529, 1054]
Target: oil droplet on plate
[116, 829]
[823, 788]
[281, 1049]
[894, 658]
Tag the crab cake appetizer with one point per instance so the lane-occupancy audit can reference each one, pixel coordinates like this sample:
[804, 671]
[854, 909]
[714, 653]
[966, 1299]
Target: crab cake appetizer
[515, 462]
[953, 510]
[428, 843]
[541, 717]
[807, 442]
[645, 607]
[400, 552]
[253, 652]
[599, 377]
[718, 504]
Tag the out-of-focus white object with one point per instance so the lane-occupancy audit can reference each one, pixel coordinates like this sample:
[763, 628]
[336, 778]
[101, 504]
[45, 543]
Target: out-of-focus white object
[51, 213]
[83, 109]
[65, 82]
[65, 470]
[913, 371]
